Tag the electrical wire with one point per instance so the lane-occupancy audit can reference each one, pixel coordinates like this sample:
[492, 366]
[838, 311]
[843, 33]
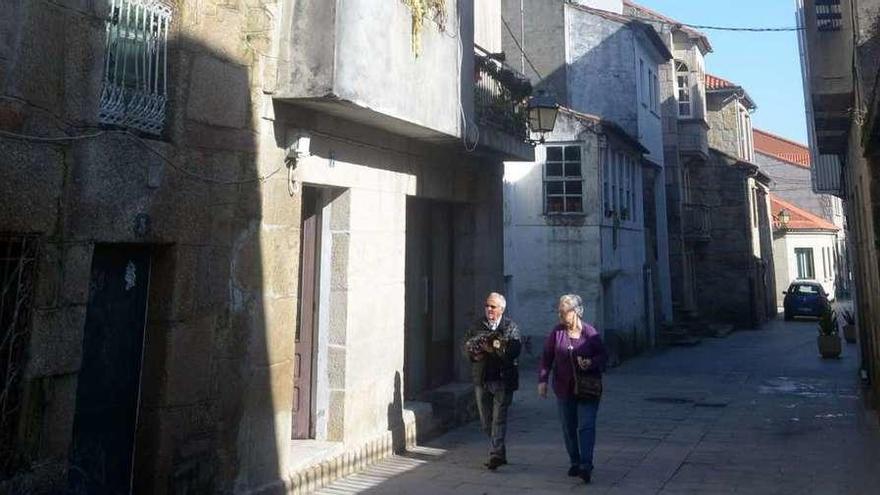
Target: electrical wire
[729, 28]
[142, 143]
[524, 54]
[49, 139]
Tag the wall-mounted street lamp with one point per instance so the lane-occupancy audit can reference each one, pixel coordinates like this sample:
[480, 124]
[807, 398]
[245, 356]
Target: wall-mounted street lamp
[784, 218]
[542, 110]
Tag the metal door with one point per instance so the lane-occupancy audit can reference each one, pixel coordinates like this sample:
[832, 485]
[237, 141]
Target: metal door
[108, 386]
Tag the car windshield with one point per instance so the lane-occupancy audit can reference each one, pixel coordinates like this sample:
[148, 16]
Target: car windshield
[804, 289]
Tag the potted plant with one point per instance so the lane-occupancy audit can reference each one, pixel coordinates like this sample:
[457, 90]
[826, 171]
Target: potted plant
[828, 339]
[849, 326]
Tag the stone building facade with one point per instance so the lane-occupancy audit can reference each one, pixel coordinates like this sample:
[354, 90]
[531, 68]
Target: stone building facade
[685, 147]
[736, 259]
[216, 218]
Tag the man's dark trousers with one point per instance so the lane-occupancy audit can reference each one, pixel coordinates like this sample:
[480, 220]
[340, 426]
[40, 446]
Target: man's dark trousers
[493, 400]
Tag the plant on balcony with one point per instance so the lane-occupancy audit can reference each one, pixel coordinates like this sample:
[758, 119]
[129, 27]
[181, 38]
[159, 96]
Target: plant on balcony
[500, 93]
[517, 86]
[421, 9]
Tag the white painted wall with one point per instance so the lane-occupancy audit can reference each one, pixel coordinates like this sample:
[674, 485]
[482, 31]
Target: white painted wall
[786, 262]
[548, 256]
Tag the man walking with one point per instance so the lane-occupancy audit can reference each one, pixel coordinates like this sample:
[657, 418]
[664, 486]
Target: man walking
[493, 346]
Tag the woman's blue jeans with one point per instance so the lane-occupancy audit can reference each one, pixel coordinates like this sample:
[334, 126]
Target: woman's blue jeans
[578, 418]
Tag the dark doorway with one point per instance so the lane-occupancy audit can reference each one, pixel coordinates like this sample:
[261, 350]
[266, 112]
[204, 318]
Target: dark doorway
[108, 388]
[429, 357]
[306, 329]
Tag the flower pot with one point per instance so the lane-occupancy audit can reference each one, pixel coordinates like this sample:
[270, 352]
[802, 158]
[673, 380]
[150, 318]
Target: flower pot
[849, 333]
[829, 345]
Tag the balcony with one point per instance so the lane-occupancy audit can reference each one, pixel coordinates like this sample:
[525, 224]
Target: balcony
[826, 42]
[696, 223]
[500, 95]
[361, 63]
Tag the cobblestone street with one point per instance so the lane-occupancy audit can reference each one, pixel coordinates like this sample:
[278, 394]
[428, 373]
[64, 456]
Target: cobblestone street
[756, 412]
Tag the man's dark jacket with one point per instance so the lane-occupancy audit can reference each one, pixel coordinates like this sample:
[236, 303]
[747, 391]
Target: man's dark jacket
[499, 364]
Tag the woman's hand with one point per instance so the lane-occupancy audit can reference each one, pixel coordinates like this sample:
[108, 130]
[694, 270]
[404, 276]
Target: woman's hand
[584, 363]
[542, 390]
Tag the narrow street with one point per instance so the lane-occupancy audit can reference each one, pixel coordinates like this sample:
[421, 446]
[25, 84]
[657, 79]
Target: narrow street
[756, 412]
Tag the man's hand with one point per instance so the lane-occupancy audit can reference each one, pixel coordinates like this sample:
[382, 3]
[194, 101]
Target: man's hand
[542, 390]
[584, 363]
[487, 346]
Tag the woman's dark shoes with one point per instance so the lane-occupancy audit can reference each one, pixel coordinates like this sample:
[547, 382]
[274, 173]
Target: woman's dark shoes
[494, 462]
[585, 475]
[574, 471]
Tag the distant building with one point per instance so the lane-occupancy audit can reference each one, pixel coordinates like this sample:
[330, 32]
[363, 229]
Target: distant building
[574, 223]
[788, 165]
[803, 247]
[599, 62]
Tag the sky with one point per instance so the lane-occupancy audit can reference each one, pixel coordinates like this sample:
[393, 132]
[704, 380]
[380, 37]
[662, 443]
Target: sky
[767, 65]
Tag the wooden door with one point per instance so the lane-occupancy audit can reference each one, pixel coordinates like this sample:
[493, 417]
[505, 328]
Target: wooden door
[304, 340]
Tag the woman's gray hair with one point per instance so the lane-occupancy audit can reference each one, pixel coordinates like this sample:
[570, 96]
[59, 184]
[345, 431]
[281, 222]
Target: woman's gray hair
[573, 301]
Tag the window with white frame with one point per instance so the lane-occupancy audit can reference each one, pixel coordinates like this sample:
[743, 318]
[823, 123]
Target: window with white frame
[135, 88]
[683, 89]
[563, 180]
[804, 259]
[619, 179]
[745, 129]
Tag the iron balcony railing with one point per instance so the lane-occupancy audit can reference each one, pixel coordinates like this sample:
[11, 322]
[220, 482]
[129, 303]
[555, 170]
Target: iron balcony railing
[500, 95]
[696, 222]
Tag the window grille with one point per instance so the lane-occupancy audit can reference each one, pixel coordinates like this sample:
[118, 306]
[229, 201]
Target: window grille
[18, 255]
[135, 90]
[563, 182]
[828, 16]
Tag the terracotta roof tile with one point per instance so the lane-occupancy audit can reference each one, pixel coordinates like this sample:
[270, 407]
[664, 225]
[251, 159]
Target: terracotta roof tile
[781, 148]
[801, 219]
[715, 82]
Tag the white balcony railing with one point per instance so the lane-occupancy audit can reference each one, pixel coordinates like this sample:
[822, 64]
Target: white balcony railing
[135, 89]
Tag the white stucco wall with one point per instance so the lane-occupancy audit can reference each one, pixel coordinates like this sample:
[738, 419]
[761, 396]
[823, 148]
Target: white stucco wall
[547, 256]
[786, 262]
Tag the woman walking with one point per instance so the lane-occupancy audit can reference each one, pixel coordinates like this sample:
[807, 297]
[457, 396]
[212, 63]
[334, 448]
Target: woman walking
[575, 354]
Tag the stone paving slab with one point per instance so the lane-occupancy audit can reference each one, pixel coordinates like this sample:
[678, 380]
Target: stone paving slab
[757, 412]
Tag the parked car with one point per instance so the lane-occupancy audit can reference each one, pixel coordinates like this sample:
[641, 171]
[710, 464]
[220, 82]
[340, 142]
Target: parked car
[805, 298]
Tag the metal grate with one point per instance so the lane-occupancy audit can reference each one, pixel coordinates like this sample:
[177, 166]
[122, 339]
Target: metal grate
[828, 16]
[18, 255]
[135, 89]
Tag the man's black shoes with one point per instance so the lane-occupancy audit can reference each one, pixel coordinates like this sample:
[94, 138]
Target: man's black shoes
[574, 471]
[494, 462]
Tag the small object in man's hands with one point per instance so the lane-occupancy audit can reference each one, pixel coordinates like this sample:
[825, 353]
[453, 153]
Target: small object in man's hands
[496, 344]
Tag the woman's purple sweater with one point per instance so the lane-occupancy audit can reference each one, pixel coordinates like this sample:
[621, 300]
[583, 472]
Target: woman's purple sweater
[556, 357]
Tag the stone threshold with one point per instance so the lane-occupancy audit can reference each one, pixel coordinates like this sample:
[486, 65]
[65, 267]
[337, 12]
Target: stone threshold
[320, 463]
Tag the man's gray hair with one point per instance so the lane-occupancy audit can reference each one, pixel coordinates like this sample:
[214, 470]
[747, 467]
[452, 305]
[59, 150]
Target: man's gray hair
[498, 297]
[573, 301]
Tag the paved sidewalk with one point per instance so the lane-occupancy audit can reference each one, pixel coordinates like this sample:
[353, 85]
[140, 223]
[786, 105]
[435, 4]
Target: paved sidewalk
[757, 412]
